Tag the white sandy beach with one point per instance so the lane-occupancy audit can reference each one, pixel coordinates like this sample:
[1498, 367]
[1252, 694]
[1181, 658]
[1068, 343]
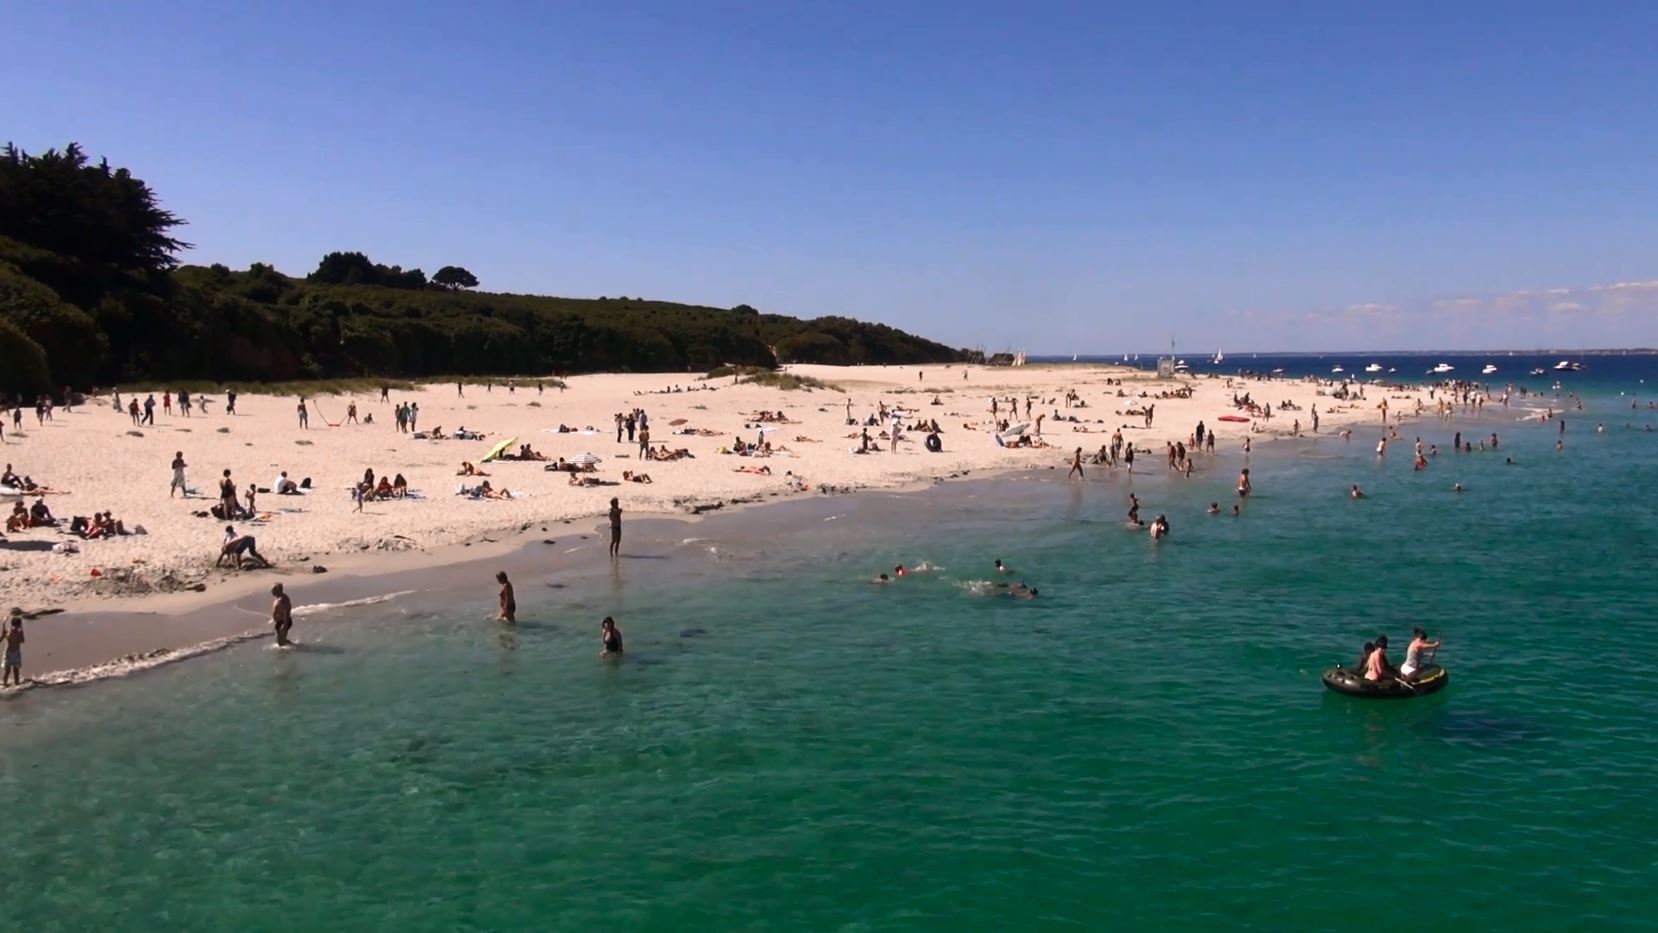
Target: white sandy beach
[101, 462]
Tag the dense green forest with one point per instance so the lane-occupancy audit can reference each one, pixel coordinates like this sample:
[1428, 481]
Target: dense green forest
[92, 293]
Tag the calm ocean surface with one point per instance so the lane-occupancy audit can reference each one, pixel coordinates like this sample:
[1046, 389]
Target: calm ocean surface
[788, 747]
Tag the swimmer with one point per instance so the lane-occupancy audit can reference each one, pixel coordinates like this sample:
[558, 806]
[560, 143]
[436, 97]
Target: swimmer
[1001, 567]
[509, 604]
[1159, 527]
[1214, 508]
[1016, 590]
[612, 638]
[881, 580]
[1235, 510]
[1354, 492]
[899, 570]
[1457, 487]
[282, 614]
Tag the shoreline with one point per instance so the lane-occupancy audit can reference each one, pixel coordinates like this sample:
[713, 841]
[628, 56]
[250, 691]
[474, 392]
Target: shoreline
[122, 633]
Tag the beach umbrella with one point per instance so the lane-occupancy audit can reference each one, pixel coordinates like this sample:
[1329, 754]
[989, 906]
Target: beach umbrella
[584, 459]
[499, 449]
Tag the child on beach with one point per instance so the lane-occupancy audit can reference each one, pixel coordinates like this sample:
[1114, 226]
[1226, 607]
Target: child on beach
[13, 666]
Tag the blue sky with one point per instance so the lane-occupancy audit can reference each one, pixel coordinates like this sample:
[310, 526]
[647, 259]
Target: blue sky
[1054, 177]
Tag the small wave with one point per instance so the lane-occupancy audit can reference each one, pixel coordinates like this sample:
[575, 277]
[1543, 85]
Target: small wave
[688, 541]
[834, 517]
[310, 609]
[978, 587]
[133, 663]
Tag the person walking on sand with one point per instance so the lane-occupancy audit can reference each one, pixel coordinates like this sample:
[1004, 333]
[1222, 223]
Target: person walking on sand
[509, 605]
[1076, 465]
[304, 417]
[13, 667]
[282, 614]
[230, 402]
[615, 528]
[178, 476]
[167, 402]
[351, 413]
[644, 442]
[414, 415]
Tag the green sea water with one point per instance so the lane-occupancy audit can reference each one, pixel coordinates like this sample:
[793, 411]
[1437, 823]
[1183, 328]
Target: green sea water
[1147, 746]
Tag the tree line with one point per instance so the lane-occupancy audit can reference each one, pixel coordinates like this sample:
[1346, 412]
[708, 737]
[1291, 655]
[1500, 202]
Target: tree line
[92, 293]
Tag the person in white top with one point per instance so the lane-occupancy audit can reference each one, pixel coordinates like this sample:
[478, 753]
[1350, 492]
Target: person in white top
[1413, 653]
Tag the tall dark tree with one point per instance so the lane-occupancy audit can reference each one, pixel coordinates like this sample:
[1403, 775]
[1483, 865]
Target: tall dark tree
[454, 277]
[108, 221]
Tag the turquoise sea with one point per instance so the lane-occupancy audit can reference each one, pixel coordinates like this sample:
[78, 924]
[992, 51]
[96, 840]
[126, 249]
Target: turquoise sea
[1147, 746]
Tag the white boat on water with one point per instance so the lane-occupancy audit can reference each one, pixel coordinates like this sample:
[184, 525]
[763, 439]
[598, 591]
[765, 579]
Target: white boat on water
[1373, 368]
[1219, 357]
[1567, 366]
[1489, 369]
[1336, 370]
[1441, 369]
[1539, 371]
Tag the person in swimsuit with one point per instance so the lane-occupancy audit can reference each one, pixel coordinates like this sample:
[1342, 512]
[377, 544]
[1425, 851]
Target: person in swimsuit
[615, 527]
[509, 605]
[1244, 488]
[178, 475]
[1354, 492]
[1076, 464]
[612, 638]
[1375, 665]
[13, 637]
[1413, 652]
[1364, 654]
[282, 614]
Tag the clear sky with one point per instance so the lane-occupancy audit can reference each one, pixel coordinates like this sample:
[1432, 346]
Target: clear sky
[1049, 176]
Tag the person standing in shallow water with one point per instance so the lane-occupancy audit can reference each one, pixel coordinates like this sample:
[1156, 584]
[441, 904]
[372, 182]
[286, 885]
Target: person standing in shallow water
[1076, 465]
[509, 604]
[12, 668]
[611, 637]
[615, 527]
[282, 614]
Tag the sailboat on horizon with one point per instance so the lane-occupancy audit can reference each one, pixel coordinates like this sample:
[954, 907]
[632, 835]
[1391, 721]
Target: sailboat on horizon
[1219, 357]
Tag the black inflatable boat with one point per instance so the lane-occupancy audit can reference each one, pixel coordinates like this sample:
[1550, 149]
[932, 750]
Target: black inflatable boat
[1350, 680]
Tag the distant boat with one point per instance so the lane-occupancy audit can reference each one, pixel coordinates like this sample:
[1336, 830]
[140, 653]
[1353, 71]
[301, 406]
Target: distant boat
[1125, 357]
[1219, 357]
[1567, 366]
[1373, 368]
[1073, 357]
[1337, 369]
[1489, 369]
[1441, 369]
[1181, 367]
[1278, 372]
[1539, 371]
